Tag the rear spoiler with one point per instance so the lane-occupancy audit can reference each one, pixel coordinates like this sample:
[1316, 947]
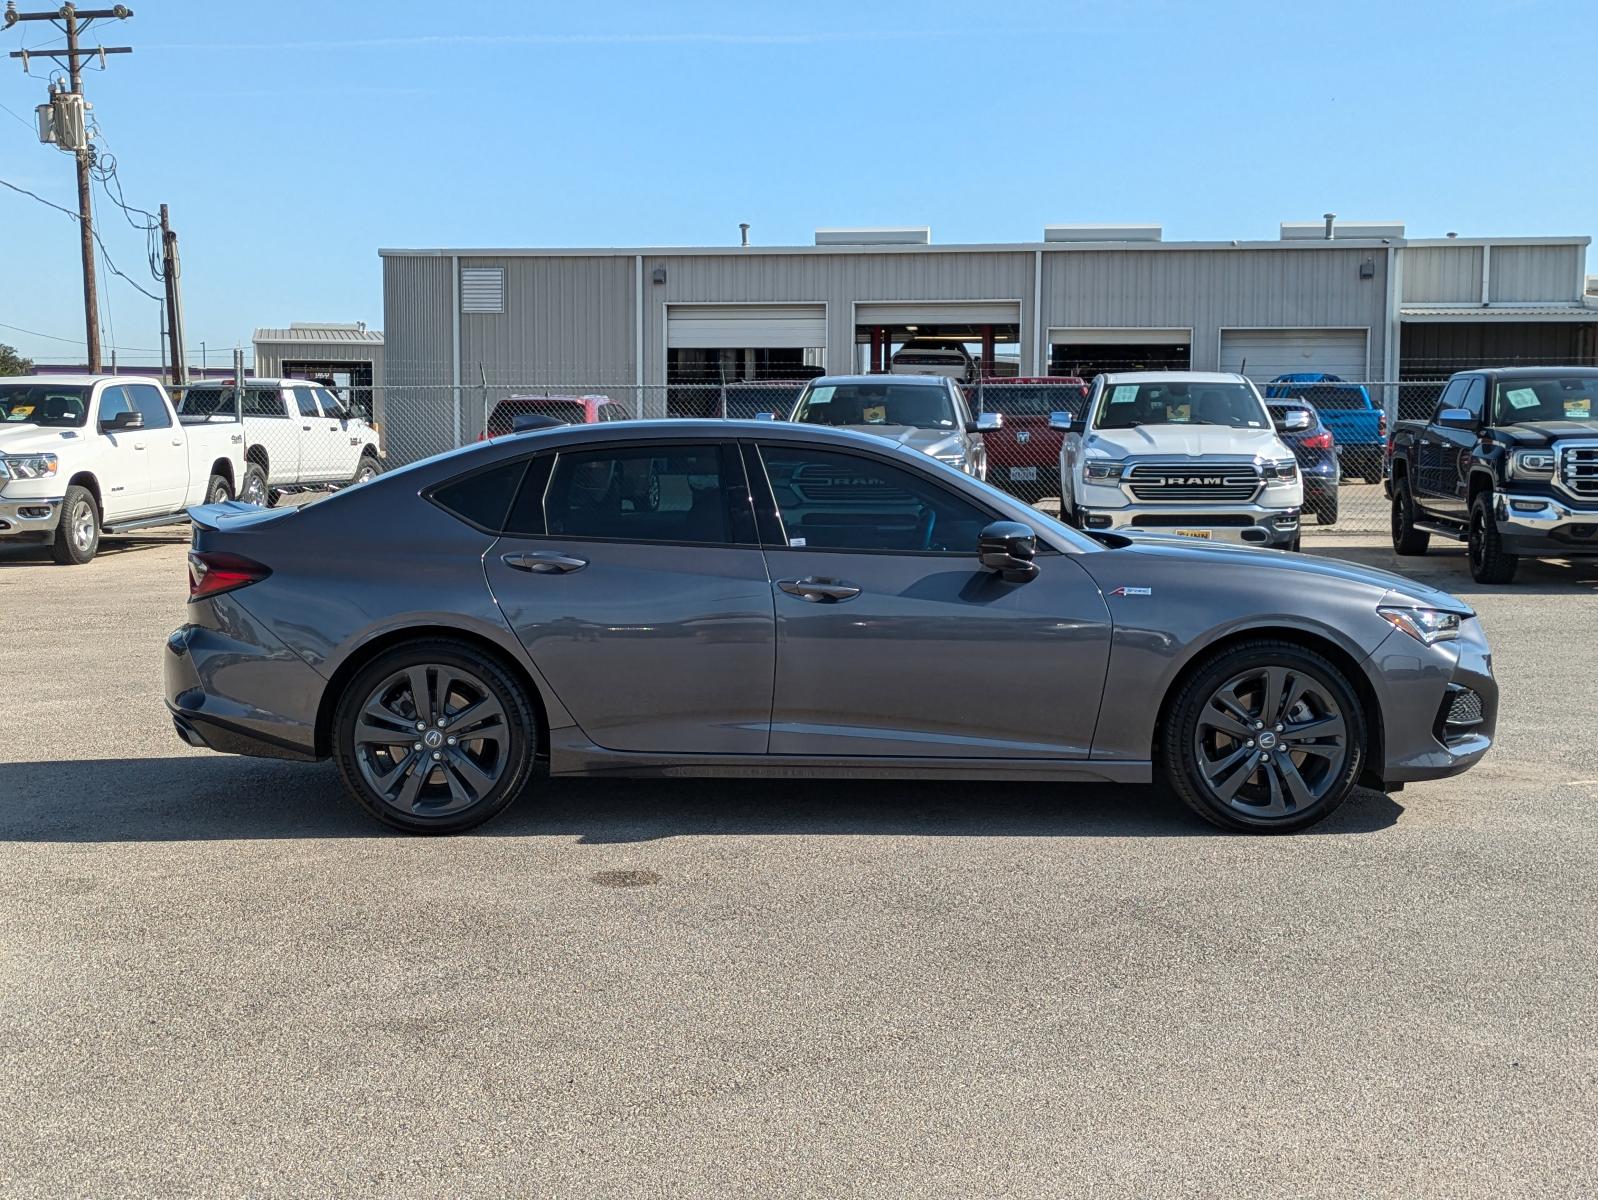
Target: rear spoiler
[233, 514]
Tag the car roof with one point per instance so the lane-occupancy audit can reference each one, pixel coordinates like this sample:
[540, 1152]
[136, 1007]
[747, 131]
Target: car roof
[910, 380]
[1074, 380]
[1525, 372]
[1172, 377]
[80, 380]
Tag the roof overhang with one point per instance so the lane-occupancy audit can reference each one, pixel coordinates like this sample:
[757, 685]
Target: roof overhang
[1537, 314]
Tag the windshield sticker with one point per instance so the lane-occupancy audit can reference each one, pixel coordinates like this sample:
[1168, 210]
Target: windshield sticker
[1125, 393]
[796, 541]
[1579, 410]
[874, 414]
[20, 413]
[1522, 398]
[1179, 414]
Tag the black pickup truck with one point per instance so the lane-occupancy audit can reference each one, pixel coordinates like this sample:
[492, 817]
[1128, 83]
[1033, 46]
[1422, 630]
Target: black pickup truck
[1508, 463]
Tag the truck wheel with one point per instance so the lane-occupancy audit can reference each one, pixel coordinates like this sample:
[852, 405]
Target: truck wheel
[219, 490]
[77, 537]
[371, 467]
[1407, 540]
[1266, 737]
[254, 489]
[1489, 563]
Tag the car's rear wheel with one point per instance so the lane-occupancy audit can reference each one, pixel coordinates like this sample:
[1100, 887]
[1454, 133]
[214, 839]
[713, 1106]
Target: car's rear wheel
[371, 467]
[1265, 737]
[434, 737]
[1407, 540]
[219, 490]
[1325, 510]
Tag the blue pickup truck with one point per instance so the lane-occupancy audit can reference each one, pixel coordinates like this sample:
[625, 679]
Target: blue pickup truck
[1358, 424]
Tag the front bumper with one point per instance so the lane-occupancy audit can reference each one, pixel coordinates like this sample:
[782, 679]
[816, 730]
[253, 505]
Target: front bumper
[1544, 525]
[1249, 525]
[21, 515]
[1441, 708]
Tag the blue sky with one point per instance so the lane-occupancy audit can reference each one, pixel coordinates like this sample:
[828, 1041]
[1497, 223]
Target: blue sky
[293, 139]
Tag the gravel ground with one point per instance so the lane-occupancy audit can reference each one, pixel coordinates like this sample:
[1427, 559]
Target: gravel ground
[219, 978]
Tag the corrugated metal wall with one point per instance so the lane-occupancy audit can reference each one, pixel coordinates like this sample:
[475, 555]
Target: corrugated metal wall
[1523, 273]
[1442, 274]
[566, 321]
[418, 334]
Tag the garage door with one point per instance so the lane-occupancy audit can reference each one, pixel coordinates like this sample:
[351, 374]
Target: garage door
[746, 326]
[1263, 354]
[973, 312]
[1120, 337]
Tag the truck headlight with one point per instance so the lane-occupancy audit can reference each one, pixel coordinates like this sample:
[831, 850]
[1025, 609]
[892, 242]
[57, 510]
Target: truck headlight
[1279, 471]
[27, 466]
[1102, 470]
[954, 458]
[1531, 464]
[1426, 625]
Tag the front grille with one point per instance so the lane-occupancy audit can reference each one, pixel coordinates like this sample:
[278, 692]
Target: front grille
[1235, 483]
[1464, 708]
[1202, 520]
[1578, 468]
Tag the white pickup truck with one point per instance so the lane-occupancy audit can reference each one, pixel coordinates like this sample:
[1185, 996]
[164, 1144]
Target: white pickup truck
[82, 455]
[1179, 452]
[298, 433]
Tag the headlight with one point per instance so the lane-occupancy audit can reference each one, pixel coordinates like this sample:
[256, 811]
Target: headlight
[954, 458]
[1280, 470]
[1102, 470]
[1534, 464]
[27, 466]
[1426, 625]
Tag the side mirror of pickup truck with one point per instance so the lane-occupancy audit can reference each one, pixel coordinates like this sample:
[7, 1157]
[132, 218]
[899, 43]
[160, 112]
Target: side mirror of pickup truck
[1457, 418]
[985, 423]
[1060, 421]
[121, 421]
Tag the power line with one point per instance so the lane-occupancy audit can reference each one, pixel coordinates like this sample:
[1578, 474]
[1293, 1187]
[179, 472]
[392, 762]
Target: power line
[93, 232]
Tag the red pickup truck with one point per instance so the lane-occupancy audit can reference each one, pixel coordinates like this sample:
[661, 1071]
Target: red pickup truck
[1024, 455]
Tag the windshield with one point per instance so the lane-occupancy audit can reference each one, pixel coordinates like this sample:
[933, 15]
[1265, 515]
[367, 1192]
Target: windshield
[867, 404]
[1551, 398]
[1128, 405]
[52, 405]
[1032, 399]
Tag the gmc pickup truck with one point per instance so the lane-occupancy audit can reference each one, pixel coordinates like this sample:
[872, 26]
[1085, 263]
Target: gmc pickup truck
[1507, 463]
[82, 455]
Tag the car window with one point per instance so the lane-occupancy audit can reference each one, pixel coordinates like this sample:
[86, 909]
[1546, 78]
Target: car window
[305, 399]
[672, 493]
[114, 400]
[48, 405]
[148, 403]
[1032, 399]
[871, 404]
[1179, 402]
[263, 402]
[482, 498]
[837, 501]
[332, 406]
[1452, 395]
[1475, 397]
[1546, 398]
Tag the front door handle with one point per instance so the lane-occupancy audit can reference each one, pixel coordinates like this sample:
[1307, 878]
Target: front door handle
[545, 562]
[819, 591]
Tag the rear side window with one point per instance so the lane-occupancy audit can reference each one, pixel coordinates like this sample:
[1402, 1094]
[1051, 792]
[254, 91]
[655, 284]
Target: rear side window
[638, 494]
[263, 402]
[482, 498]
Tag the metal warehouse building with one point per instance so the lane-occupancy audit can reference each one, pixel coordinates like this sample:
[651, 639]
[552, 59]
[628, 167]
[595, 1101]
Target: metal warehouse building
[465, 327]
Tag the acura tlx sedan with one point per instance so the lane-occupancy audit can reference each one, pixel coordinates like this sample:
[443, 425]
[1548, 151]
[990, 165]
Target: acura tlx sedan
[752, 598]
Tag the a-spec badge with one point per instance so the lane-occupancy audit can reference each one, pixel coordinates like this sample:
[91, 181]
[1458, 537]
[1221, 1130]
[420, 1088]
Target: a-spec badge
[1132, 591]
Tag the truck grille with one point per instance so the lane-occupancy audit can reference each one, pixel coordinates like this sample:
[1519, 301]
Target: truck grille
[821, 483]
[1578, 468]
[1233, 483]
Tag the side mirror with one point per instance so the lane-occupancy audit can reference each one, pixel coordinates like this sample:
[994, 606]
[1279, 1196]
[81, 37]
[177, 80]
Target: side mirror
[123, 420]
[1060, 421]
[1294, 420]
[985, 423]
[766, 416]
[1008, 547]
[1459, 418]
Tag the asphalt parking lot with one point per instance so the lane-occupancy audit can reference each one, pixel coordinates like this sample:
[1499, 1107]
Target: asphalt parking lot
[220, 978]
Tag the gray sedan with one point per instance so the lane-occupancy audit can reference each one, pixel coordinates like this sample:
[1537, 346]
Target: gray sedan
[793, 600]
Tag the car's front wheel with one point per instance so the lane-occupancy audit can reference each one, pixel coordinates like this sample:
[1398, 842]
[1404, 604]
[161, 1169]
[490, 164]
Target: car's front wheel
[1407, 540]
[435, 736]
[1489, 561]
[1264, 737]
[77, 537]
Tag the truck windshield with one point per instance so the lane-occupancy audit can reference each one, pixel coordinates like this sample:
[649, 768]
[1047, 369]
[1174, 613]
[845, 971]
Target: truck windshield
[914, 405]
[1031, 399]
[1546, 398]
[1128, 405]
[52, 405]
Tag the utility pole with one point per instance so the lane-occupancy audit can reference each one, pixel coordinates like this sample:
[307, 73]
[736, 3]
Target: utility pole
[174, 299]
[73, 23]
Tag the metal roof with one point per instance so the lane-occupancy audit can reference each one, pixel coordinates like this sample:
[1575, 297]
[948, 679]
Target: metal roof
[1422, 313]
[321, 334]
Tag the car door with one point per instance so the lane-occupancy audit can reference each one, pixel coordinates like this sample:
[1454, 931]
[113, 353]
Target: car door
[893, 640]
[318, 458]
[648, 611]
[269, 429]
[166, 452]
[123, 464]
[1432, 481]
[1455, 444]
[343, 435]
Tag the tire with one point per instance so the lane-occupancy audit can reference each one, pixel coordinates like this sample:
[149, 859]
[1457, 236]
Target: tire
[1326, 511]
[1204, 748]
[1296, 546]
[219, 490]
[253, 489]
[473, 780]
[370, 468]
[1371, 471]
[1407, 540]
[1489, 562]
[77, 534]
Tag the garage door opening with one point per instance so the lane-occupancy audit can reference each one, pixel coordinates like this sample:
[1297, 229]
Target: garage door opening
[1089, 352]
[965, 341]
[717, 352]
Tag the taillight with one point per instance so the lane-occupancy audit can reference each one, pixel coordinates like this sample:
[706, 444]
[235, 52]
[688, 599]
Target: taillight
[1318, 441]
[211, 573]
[1381, 424]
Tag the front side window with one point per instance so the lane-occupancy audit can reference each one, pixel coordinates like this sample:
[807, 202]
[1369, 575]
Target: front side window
[639, 494]
[52, 406]
[148, 403]
[1176, 402]
[869, 405]
[1546, 398]
[306, 400]
[332, 406]
[837, 501]
[114, 400]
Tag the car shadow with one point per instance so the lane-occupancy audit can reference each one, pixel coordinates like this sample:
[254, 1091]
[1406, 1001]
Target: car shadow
[1447, 565]
[32, 554]
[205, 798]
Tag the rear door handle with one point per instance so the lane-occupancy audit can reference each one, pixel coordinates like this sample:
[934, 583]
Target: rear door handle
[819, 591]
[545, 562]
